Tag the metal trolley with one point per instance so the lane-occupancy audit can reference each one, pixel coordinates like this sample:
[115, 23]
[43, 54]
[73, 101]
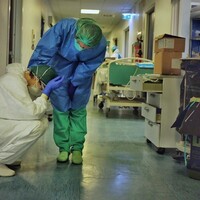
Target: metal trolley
[118, 92]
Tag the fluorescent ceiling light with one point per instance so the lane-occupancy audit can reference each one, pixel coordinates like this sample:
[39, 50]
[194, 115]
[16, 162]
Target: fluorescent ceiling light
[89, 11]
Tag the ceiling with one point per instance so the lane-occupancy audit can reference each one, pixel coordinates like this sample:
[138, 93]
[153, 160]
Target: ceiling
[110, 10]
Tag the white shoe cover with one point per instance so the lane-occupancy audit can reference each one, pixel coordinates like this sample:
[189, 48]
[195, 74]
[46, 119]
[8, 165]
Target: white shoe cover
[5, 171]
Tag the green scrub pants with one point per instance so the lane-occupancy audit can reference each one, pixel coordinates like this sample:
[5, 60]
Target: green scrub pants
[70, 129]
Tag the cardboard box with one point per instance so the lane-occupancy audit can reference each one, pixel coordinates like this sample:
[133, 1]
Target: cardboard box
[167, 63]
[170, 43]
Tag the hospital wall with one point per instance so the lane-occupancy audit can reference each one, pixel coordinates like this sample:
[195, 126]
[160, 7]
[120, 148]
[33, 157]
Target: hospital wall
[31, 16]
[164, 22]
[32, 11]
[138, 23]
[46, 13]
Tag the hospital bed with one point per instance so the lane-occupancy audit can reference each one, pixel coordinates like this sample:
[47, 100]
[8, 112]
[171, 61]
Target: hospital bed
[118, 92]
[99, 82]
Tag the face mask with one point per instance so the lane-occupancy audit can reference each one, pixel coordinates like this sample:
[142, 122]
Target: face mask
[34, 91]
[77, 46]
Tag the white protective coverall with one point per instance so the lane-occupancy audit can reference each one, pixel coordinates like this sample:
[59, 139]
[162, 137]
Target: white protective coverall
[22, 120]
[116, 54]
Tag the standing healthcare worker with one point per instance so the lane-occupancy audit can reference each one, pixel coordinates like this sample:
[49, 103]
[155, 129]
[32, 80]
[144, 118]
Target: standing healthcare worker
[75, 49]
[22, 119]
[115, 53]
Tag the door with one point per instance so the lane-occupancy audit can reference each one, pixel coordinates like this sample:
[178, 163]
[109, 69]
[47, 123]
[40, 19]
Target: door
[15, 31]
[126, 42]
[150, 31]
[10, 34]
[4, 27]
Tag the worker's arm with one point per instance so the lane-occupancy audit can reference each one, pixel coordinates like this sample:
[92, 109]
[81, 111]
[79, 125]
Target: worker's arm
[85, 70]
[44, 96]
[50, 43]
[39, 105]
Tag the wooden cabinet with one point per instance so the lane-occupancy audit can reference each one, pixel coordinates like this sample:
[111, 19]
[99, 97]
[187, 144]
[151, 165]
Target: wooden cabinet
[160, 110]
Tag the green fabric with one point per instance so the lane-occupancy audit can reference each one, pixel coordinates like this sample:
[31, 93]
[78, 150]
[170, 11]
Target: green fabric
[89, 33]
[63, 156]
[119, 74]
[77, 157]
[80, 22]
[43, 72]
[114, 48]
[70, 129]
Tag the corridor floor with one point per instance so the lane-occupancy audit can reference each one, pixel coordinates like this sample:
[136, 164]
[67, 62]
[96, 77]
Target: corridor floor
[118, 165]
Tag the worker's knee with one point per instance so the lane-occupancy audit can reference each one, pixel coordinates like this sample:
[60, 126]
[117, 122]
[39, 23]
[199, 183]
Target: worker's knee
[44, 125]
[41, 126]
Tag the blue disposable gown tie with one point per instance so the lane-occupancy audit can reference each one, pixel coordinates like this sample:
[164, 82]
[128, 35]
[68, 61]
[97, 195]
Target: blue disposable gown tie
[57, 49]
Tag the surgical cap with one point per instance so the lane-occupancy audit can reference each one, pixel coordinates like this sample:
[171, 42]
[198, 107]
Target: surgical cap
[89, 33]
[80, 22]
[114, 48]
[43, 72]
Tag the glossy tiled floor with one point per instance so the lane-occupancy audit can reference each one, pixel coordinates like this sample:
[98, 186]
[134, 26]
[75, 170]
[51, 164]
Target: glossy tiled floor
[118, 165]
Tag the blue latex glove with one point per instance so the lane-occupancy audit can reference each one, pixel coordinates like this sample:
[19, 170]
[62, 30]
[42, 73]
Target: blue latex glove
[71, 90]
[53, 84]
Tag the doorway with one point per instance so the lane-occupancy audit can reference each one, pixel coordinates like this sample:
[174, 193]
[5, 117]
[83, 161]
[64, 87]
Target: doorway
[150, 33]
[15, 31]
[126, 42]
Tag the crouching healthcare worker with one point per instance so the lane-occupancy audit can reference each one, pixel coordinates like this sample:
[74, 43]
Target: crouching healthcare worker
[74, 48]
[23, 97]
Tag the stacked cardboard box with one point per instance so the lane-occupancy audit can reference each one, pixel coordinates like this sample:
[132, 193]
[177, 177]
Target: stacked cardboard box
[168, 53]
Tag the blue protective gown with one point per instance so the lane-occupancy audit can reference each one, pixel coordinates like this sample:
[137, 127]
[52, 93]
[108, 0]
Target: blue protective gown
[56, 49]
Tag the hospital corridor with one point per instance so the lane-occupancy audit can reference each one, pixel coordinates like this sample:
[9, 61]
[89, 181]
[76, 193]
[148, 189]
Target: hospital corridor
[99, 100]
[118, 164]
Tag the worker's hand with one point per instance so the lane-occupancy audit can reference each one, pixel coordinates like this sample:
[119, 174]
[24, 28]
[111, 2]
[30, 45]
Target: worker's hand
[71, 90]
[53, 84]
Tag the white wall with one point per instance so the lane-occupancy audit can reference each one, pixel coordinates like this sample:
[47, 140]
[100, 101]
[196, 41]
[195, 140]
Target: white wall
[31, 27]
[162, 17]
[46, 12]
[31, 20]
[32, 12]
[184, 24]
[163, 21]
[134, 26]
[118, 32]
